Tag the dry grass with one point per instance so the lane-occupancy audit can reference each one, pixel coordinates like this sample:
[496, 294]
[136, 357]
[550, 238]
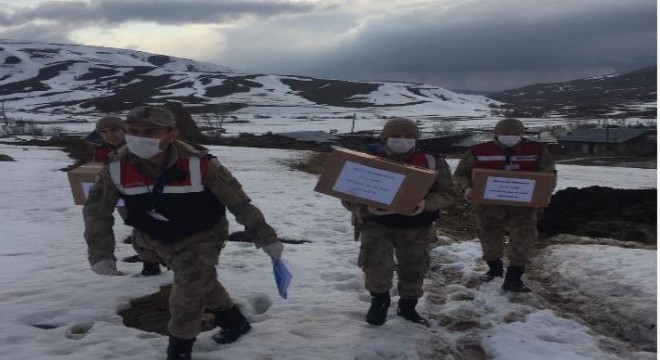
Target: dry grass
[312, 163]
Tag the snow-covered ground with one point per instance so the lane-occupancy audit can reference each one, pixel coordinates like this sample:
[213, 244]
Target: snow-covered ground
[53, 307]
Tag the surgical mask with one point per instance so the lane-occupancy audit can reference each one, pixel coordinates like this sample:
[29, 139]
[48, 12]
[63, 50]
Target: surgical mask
[509, 140]
[400, 145]
[143, 147]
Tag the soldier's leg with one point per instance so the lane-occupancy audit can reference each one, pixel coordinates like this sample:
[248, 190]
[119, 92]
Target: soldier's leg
[377, 262]
[413, 260]
[376, 257]
[523, 232]
[150, 259]
[490, 224]
[193, 279]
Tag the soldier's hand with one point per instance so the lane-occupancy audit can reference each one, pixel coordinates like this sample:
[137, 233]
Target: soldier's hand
[467, 194]
[274, 250]
[106, 267]
[419, 208]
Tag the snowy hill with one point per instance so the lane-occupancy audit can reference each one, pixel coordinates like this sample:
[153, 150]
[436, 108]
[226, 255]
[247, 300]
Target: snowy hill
[71, 80]
[624, 94]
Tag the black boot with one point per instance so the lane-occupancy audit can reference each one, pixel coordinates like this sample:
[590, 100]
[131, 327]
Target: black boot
[232, 325]
[150, 268]
[495, 269]
[179, 349]
[406, 309]
[377, 314]
[132, 259]
[512, 281]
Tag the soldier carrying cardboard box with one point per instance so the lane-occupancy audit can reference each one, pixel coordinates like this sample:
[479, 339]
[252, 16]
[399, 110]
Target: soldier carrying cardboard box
[508, 151]
[386, 236]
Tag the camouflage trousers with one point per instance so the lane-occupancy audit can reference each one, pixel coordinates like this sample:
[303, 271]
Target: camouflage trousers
[195, 287]
[494, 222]
[383, 249]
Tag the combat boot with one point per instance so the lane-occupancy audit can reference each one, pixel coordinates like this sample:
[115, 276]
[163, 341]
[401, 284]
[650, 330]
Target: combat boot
[495, 269]
[150, 268]
[512, 281]
[377, 314]
[179, 349]
[232, 325]
[406, 309]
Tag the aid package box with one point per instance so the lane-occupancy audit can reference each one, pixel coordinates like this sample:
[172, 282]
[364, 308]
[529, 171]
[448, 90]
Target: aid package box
[373, 181]
[81, 180]
[516, 188]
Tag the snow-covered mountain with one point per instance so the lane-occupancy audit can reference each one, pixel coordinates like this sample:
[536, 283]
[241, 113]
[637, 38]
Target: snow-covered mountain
[74, 79]
[630, 94]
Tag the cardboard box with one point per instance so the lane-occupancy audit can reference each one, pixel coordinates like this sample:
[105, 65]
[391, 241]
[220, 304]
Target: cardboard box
[370, 180]
[516, 188]
[81, 180]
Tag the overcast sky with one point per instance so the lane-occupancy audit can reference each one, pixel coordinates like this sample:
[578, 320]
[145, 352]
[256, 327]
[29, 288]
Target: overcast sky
[457, 44]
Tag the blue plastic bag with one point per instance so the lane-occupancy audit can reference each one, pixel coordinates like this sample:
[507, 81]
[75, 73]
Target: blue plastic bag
[282, 277]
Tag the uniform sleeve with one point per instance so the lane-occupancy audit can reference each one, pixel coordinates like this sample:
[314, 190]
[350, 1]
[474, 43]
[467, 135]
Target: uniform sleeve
[463, 174]
[97, 213]
[230, 193]
[441, 194]
[546, 164]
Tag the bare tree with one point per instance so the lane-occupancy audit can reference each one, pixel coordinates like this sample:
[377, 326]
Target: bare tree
[444, 127]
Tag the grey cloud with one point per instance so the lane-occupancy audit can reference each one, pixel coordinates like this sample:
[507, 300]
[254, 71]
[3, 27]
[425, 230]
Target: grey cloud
[42, 32]
[481, 39]
[160, 11]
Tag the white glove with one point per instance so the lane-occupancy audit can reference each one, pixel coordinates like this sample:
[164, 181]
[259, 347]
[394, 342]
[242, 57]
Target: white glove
[419, 208]
[274, 250]
[377, 211]
[467, 194]
[105, 267]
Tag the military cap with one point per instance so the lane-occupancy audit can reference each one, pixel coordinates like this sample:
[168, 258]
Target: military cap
[152, 114]
[110, 122]
[399, 126]
[513, 126]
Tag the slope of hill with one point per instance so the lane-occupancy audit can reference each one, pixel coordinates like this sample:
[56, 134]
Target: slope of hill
[76, 79]
[624, 94]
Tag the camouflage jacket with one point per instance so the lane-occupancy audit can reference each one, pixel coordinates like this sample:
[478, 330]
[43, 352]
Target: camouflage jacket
[463, 175]
[103, 197]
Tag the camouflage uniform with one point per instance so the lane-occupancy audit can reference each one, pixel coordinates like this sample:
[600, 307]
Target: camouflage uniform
[410, 246]
[492, 221]
[192, 258]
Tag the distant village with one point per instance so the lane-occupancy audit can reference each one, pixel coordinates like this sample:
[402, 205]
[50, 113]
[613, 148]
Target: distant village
[580, 136]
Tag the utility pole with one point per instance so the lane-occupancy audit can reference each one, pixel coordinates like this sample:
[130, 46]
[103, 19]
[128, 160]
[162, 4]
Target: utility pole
[353, 126]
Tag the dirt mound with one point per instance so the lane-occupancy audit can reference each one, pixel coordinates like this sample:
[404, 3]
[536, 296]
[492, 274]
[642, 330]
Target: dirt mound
[596, 211]
[150, 313]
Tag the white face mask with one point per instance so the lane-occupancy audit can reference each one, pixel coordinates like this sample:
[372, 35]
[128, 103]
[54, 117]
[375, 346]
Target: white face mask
[143, 147]
[509, 140]
[400, 145]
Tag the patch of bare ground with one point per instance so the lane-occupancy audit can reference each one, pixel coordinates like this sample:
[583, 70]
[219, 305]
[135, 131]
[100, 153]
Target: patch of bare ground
[613, 161]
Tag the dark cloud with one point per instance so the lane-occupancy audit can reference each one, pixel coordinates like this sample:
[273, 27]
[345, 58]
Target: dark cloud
[528, 42]
[159, 11]
[471, 44]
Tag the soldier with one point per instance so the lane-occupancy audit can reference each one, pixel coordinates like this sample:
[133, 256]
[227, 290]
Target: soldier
[385, 235]
[508, 151]
[176, 198]
[113, 133]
